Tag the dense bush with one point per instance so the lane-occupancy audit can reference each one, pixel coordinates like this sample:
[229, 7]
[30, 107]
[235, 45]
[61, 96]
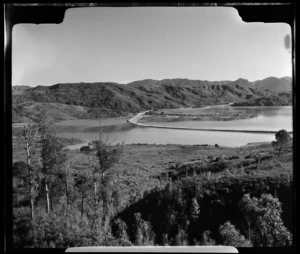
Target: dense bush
[191, 208]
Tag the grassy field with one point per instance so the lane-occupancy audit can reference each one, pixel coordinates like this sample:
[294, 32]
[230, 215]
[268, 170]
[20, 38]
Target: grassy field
[149, 161]
[144, 167]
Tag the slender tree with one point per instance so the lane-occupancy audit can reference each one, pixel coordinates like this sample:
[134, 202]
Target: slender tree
[282, 139]
[143, 234]
[248, 208]
[107, 156]
[82, 182]
[51, 156]
[31, 135]
[89, 152]
[194, 210]
[67, 172]
[51, 153]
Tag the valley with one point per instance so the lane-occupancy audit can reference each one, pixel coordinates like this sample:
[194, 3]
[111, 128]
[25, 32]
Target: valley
[152, 163]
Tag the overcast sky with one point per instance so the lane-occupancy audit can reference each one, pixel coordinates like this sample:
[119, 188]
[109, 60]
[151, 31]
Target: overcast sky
[133, 43]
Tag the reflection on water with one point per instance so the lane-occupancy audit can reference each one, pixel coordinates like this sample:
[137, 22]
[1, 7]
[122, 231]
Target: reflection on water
[259, 123]
[170, 136]
[268, 118]
[109, 128]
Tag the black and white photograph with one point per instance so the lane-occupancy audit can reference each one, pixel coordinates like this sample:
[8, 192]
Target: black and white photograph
[152, 126]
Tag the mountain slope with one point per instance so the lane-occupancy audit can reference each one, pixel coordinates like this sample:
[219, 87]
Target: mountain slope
[89, 100]
[275, 84]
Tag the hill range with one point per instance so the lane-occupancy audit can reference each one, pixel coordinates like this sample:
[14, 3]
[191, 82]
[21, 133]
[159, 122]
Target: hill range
[107, 99]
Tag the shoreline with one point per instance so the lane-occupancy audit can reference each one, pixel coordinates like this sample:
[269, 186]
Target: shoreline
[134, 121]
[78, 146]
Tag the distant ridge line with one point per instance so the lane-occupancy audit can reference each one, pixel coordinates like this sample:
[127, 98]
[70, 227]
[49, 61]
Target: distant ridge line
[151, 79]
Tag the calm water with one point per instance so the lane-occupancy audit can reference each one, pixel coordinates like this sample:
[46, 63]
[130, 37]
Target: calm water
[266, 118]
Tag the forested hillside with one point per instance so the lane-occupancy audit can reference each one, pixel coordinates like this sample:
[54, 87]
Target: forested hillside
[92, 100]
[158, 195]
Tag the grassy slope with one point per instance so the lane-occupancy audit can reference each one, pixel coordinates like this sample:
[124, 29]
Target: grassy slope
[60, 111]
[282, 100]
[141, 167]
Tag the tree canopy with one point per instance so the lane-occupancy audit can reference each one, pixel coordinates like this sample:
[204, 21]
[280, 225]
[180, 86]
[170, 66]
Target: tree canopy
[282, 139]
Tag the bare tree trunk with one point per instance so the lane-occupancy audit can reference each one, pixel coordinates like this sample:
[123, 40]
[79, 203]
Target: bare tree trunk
[47, 196]
[82, 200]
[95, 201]
[31, 192]
[102, 177]
[51, 201]
[210, 215]
[103, 192]
[279, 151]
[95, 192]
[67, 192]
[249, 231]
[31, 199]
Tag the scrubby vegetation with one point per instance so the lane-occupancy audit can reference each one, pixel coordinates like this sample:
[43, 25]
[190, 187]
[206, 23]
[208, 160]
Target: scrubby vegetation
[194, 114]
[283, 99]
[148, 194]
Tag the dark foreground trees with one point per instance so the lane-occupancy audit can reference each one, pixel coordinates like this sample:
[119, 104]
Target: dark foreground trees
[214, 212]
[265, 226]
[174, 216]
[232, 237]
